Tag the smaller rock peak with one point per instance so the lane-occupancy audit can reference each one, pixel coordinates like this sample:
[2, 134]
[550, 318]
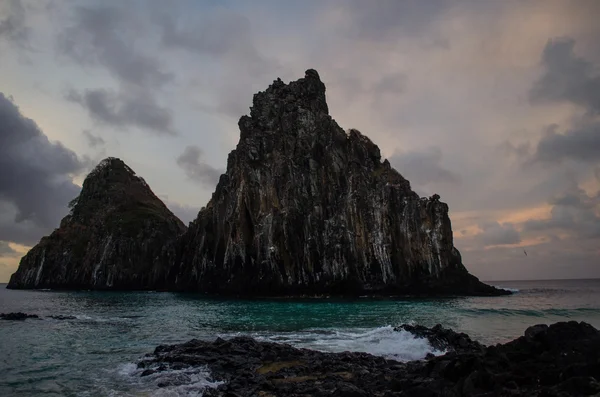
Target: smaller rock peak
[109, 172]
[312, 74]
[111, 163]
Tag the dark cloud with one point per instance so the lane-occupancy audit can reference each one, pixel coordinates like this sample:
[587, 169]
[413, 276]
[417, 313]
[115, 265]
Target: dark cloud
[581, 143]
[197, 170]
[575, 212]
[124, 110]
[35, 177]
[92, 139]
[494, 233]
[423, 168]
[6, 250]
[109, 36]
[573, 79]
[567, 77]
[12, 25]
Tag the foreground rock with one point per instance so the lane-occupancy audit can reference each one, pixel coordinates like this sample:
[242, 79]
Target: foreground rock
[560, 360]
[19, 316]
[443, 339]
[113, 238]
[306, 208]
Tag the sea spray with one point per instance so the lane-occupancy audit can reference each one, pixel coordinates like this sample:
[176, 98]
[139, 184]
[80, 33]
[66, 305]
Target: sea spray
[185, 382]
[380, 341]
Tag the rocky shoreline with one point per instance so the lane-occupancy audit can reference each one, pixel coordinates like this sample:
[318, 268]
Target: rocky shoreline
[562, 359]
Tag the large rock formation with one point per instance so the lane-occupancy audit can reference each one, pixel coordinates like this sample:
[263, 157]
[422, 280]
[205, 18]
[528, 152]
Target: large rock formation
[114, 237]
[306, 208]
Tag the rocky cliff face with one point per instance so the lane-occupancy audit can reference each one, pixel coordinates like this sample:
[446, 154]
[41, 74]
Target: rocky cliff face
[307, 208]
[115, 237]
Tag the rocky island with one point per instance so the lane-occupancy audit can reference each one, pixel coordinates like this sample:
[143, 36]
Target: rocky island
[304, 208]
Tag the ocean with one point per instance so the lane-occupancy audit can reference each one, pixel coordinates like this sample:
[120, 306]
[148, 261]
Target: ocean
[94, 353]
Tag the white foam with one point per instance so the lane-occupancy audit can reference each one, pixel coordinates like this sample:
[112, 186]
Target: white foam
[187, 382]
[382, 341]
[507, 289]
[193, 385]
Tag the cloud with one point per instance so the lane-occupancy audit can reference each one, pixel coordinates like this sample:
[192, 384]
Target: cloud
[567, 77]
[575, 212]
[197, 170]
[387, 19]
[581, 143]
[6, 250]
[571, 79]
[221, 38]
[35, 181]
[553, 259]
[221, 34]
[423, 168]
[124, 110]
[92, 139]
[12, 23]
[108, 36]
[494, 233]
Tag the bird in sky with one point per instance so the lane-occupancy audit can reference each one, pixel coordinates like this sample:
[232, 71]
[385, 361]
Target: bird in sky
[525, 252]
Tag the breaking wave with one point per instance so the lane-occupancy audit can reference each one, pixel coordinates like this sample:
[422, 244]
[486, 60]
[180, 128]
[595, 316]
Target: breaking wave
[381, 341]
[187, 382]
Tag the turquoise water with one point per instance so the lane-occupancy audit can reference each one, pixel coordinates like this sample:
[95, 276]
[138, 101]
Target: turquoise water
[94, 354]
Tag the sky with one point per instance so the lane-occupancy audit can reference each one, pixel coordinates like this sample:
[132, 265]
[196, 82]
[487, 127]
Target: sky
[493, 105]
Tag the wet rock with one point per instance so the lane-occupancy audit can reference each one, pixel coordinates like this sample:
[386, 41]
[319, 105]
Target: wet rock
[62, 317]
[442, 339]
[527, 366]
[18, 316]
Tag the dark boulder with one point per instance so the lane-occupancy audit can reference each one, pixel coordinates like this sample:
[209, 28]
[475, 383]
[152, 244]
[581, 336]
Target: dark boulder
[19, 316]
[62, 317]
[443, 339]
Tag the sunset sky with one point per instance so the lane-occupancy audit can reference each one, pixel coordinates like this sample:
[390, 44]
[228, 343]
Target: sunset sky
[494, 105]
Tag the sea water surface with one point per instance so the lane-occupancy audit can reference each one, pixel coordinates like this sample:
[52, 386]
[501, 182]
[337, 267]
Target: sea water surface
[94, 354]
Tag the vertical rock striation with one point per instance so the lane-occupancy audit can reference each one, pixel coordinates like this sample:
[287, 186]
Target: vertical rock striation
[306, 208]
[115, 237]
